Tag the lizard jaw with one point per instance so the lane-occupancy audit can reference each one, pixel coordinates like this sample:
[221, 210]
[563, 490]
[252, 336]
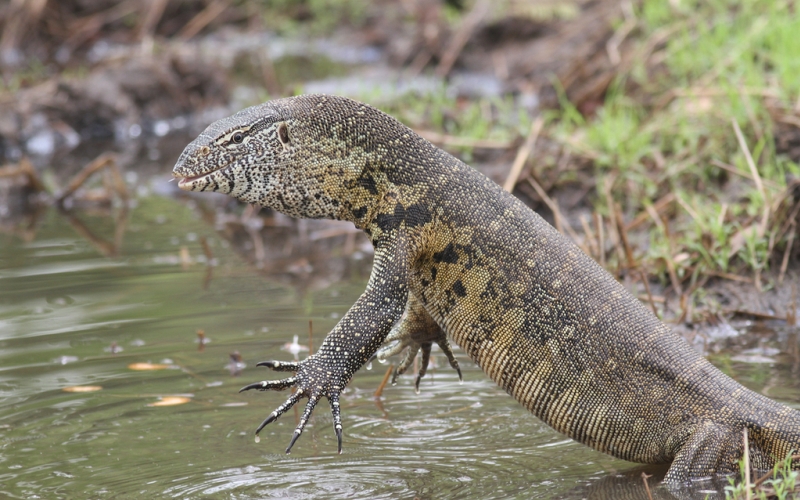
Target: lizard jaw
[190, 182]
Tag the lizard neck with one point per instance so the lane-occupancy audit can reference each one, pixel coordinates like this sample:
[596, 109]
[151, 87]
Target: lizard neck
[384, 183]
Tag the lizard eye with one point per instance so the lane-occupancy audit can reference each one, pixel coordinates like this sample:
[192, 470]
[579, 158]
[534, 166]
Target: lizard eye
[238, 137]
[283, 133]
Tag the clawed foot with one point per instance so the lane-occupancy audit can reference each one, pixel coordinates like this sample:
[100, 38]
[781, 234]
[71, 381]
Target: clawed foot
[413, 348]
[311, 380]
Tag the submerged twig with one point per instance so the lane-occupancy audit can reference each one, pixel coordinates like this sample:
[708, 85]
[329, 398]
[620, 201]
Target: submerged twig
[382, 385]
[102, 161]
[24, 168]
[310, 337]
[647, 486]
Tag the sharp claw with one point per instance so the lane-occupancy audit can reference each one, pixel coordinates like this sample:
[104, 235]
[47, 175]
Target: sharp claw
[294, 398]
[451, 358]
[272, 417]
[312, 402]
[257, 385]
[416, 382]
[294, 439]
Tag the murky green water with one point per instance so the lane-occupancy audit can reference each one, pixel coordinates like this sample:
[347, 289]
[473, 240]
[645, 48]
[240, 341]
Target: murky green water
[65, 301]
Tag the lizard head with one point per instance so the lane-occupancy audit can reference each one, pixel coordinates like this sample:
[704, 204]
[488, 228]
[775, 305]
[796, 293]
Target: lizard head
[294, 155]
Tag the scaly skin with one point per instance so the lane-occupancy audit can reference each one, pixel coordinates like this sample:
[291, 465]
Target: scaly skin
[472, 262]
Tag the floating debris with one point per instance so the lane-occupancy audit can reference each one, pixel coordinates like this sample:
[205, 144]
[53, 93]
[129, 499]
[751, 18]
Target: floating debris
[235, 365]
[82, 388]
[114, 348]
[148, 366]
[171, 401]
[294, 348]
[63, 360]
[202, 340]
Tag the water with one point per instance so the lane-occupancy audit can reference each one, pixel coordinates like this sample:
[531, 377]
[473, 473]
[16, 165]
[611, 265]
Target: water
[77, 288]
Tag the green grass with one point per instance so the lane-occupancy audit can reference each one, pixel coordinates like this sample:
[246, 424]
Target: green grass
[781, 485]
[667, 125]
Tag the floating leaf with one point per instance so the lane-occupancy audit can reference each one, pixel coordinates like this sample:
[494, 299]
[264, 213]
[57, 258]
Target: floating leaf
[147, 366]
[82, 388]
[171, 401]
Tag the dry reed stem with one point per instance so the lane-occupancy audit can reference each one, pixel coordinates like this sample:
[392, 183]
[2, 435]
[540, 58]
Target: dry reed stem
[587, 231]
[756, 177]
[746, 457]
[462, 36]
[619, 36]
[661, 204]
[561, 223]
[755, 314]
[728, 276]
[613, 233]
[733, 170]
[673, 276]
[647, 289]
[624, 237]
[201, 20]
[523, 153]
[148, 24]
[786, 254]
[651, 211]
[601, 244]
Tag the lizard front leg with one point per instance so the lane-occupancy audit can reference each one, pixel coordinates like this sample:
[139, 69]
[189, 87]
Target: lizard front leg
[417, 331]
[350, 344]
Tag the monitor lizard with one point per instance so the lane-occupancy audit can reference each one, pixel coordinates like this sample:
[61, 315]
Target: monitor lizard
[466, 260]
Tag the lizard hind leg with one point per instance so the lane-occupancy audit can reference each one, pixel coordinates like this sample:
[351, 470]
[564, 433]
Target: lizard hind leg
[710, 448]
[417, 332]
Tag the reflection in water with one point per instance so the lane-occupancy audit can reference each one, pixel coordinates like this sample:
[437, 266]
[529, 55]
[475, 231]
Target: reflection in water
[69, 291]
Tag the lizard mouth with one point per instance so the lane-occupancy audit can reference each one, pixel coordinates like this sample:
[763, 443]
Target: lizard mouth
[188, 183]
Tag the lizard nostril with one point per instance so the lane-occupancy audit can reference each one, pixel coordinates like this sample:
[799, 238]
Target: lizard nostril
[205, 150]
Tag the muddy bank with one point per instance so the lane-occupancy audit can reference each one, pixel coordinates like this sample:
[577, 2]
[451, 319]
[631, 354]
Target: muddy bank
[140, 81]
[118, 71]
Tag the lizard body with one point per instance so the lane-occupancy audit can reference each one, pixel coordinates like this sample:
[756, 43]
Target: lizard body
[470, 262]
